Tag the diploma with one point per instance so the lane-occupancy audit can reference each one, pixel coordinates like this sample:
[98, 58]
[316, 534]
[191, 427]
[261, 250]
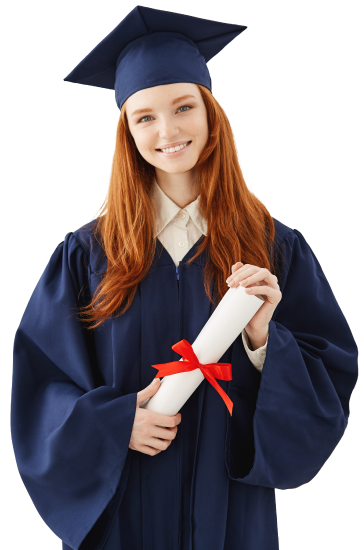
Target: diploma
[230, 317]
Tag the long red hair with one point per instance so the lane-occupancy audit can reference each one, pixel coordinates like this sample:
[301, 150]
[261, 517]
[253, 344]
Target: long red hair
[240, 227]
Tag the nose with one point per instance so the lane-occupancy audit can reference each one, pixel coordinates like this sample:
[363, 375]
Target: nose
[168, 130]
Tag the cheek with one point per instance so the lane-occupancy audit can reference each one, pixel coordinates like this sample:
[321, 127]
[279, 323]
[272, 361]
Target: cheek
[199, 126]
[205, 134]
[200, 130]
[143, 142]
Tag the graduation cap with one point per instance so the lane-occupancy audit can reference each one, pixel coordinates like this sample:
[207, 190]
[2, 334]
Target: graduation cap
[153, 47]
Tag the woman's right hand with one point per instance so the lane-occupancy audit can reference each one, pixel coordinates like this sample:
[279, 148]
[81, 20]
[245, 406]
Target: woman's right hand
[152, 432]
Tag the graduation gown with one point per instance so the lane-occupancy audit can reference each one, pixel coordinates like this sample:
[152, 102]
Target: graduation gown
[74, 397]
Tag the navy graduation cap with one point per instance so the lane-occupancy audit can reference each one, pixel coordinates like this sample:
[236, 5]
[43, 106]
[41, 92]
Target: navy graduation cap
[153, 47]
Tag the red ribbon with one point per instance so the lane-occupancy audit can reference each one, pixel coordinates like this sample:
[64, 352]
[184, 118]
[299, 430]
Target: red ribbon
[189, 362]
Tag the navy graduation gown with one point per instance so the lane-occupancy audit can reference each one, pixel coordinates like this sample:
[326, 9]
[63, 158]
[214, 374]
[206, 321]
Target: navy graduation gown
[74, 398]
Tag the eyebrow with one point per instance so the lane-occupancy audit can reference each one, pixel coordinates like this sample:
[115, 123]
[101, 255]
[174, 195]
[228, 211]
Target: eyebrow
[177, 100]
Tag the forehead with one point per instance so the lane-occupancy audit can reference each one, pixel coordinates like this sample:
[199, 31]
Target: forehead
[158, 96]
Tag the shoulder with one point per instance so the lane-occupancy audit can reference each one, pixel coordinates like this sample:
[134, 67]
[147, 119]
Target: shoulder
[294, 253]
[290, 247]
[282, 231]
[85, 236]
[287, 238]
[90, 242]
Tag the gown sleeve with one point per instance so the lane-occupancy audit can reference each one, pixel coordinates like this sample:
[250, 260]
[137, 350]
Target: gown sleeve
[282, 432]
[70, 433]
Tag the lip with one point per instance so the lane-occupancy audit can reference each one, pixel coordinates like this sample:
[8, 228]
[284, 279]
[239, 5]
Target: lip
[176, 153]
[174, 144]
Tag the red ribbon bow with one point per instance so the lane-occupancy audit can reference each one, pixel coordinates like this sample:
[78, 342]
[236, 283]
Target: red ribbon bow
[189, 362]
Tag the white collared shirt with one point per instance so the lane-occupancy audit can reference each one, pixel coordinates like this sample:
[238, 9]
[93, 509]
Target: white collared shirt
[178, 229]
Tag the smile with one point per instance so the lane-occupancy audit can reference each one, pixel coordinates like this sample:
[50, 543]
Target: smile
[172, 150]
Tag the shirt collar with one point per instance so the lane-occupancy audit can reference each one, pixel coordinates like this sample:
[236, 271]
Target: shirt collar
[166, 210]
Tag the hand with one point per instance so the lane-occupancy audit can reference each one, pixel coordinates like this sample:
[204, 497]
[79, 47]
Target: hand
[264, 285]
[152, 432]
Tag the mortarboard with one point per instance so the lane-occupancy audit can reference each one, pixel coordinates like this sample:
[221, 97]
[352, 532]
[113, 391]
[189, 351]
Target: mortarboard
[153, 47]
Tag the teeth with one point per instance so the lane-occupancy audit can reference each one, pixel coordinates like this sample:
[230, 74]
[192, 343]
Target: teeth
[174, 149]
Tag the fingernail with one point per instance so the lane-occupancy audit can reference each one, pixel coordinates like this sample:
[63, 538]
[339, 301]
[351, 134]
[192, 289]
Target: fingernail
[155, 380]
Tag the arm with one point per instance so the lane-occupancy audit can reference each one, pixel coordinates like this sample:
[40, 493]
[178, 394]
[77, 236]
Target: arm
[301, 408]
[70, 433]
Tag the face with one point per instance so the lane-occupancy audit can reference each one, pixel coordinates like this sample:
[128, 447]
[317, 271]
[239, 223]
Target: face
[169, 116]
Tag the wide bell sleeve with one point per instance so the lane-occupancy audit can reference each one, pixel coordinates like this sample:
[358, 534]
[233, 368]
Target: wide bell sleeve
[283, 436]
[70, 433]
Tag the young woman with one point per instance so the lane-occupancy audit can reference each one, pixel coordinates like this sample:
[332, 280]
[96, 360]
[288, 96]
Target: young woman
[178, 226]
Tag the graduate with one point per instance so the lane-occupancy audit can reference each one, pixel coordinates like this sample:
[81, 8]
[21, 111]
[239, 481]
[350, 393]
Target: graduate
[178, 228]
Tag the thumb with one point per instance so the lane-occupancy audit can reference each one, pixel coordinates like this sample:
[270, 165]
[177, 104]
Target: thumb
[148, 391]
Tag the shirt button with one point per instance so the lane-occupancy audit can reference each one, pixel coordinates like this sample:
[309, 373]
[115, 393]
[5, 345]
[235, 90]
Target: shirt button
[183, 216]
[181, 244]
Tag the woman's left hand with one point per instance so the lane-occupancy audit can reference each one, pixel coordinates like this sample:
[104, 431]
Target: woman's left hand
[263, 284]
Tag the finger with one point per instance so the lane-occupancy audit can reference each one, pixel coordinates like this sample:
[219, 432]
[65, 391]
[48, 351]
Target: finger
[241, 275]
[242, 272]
[273, 280]
[161, 444]
[165, 421]
[236, 266]
[265, 291]
[261, 275]
[146, 449]
[164, 433]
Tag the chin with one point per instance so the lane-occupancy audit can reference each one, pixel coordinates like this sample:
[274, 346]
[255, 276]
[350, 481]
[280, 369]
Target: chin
[176, 169]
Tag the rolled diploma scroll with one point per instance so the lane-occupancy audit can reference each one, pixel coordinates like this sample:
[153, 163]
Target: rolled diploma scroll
[230, 317]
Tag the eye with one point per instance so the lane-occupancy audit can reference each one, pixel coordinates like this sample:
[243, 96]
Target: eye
[183, 107]
[141, 120]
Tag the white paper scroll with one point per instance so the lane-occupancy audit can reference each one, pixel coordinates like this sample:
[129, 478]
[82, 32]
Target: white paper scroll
[230, 317]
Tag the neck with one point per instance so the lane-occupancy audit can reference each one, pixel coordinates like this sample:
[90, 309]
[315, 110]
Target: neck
[180, 188]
